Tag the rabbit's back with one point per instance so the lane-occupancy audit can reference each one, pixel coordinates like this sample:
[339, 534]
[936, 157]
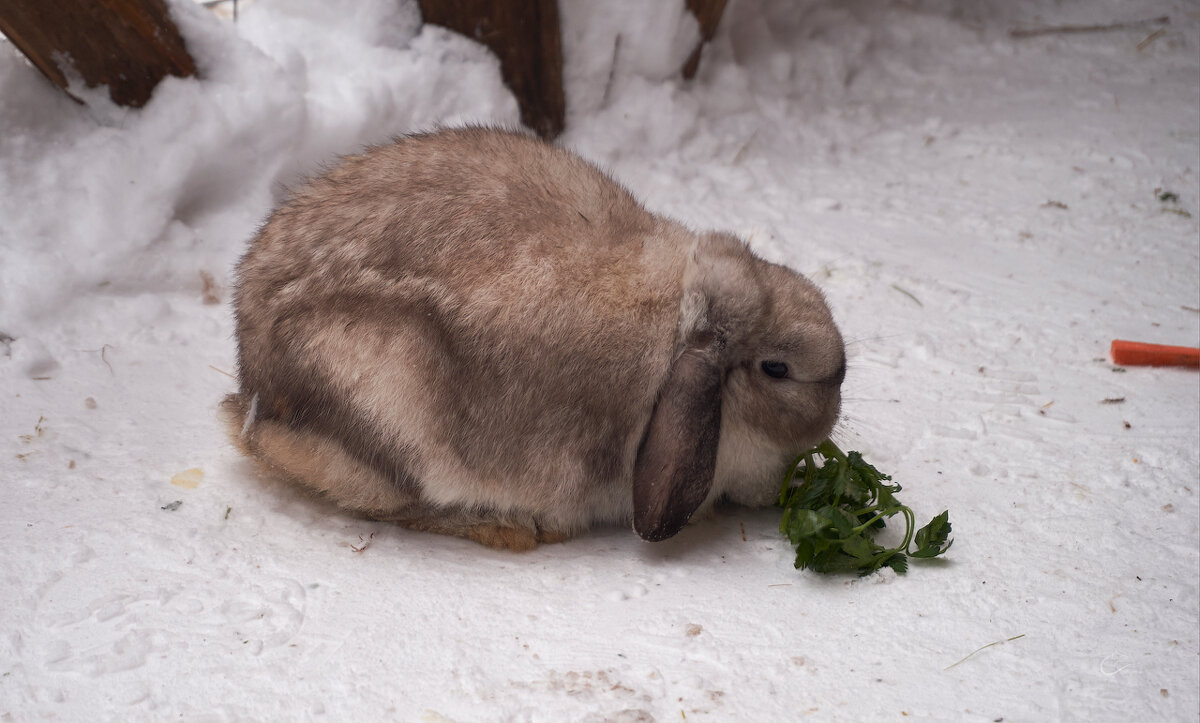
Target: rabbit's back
[469, 306]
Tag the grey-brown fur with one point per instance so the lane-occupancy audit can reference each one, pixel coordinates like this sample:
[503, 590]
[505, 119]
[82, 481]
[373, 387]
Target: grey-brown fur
[470, 332]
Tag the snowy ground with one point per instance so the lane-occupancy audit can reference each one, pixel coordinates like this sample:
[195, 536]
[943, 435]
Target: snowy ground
[982, 210]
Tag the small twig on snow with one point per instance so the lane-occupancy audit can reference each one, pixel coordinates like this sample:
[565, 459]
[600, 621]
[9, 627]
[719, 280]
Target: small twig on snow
[1077, 29]
[222, 371]
[103, 351]
[983, 647]
[1150, 39]
[612, 71]
[909, 295]
[737, 157]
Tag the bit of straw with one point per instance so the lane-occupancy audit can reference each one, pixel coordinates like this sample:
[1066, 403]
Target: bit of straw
[983, 647]
[1150, 39]
[909, 295]
[221, 371]
[1076, 29]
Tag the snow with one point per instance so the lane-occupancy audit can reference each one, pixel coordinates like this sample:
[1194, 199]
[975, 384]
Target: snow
[983, 212]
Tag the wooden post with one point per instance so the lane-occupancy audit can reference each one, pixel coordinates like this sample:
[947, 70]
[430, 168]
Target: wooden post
[708, 12]
[525, 36]
[128, 45]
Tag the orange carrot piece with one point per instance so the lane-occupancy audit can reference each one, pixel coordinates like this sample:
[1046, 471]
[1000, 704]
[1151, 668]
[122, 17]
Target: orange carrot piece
[1136, 353]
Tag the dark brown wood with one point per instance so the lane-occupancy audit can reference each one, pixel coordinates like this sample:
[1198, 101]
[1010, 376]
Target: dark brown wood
[525, 36]
[128, 45]
[708, 12]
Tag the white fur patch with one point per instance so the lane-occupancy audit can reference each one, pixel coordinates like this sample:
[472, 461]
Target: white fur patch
[749, 467]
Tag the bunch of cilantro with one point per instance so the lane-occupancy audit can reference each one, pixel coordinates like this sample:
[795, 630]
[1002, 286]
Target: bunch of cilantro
[831, 513]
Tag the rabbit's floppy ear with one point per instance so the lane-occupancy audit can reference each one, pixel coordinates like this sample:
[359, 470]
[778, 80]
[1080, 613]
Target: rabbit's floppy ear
[678, 456]
[673, 473]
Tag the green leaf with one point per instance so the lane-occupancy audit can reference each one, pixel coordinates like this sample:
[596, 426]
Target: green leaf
[805, 553]
[898, 562]
[841, 562]
[834, 503]
[841, 522]
[933, 539]
[806, 523]
[887, 498]
[859, 547]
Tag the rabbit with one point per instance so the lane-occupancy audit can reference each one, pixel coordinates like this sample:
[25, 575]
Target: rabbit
[477, 333]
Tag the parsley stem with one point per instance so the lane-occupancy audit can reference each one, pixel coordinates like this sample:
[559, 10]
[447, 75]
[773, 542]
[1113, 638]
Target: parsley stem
[829, 450]
[910, 524]
[869, 522]
[791, 474]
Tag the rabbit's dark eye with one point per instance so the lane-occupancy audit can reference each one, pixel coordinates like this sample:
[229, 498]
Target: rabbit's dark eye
[775, 369]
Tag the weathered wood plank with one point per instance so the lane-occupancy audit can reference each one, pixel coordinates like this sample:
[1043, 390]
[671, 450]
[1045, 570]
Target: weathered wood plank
[708, 12]
[127, 45]
[525, 36]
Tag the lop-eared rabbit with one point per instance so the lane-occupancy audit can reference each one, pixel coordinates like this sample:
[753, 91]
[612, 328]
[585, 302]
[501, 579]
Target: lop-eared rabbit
[476, 333]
